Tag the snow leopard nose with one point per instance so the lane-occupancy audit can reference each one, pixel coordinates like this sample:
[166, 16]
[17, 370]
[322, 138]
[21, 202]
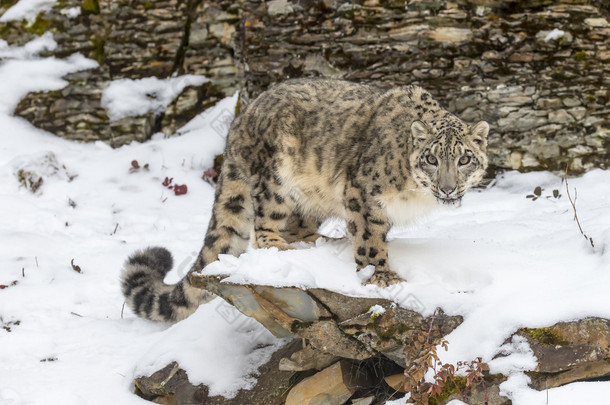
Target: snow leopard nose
[448, 190]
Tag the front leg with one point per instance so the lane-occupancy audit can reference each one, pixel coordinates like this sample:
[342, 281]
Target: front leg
[368, 225]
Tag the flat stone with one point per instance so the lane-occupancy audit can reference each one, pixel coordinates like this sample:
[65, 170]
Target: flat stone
[198, 35]
[560, 116]
[307, 359]
[597, 22]
[522, 120]
[521, 57]
[548, 103]
[515, 160]
[279, 7]
[396, 381]
[223, 31]
[451, 34]
[331, 386]
[571, 102]
[578, 113]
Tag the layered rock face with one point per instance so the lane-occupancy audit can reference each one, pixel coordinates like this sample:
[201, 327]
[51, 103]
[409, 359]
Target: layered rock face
[130, 40]
[538, 71]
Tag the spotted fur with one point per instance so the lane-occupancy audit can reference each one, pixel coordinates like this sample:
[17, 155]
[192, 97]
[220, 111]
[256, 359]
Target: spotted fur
[307, 150]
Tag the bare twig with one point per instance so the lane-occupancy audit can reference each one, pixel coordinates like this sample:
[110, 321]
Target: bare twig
[573, 202]
[430, 329]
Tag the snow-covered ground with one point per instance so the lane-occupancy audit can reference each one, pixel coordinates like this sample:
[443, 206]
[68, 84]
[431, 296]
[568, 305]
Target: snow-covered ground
[502, 261]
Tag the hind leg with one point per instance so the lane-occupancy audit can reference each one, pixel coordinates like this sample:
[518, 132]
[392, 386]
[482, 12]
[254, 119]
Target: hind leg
[272, 209]
[232, 218]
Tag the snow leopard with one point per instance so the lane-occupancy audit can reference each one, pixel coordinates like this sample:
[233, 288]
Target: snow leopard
[310, 149]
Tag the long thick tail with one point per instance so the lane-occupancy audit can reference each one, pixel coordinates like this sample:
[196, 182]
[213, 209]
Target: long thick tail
[228, 233]
[149, 297]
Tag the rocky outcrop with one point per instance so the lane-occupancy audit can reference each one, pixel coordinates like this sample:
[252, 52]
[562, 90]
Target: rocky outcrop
[353, 350]
[334, 325]
[537, 71]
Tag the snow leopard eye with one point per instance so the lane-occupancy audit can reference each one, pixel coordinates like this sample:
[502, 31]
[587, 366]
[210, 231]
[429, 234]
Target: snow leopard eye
[431, 160]
[464, 160]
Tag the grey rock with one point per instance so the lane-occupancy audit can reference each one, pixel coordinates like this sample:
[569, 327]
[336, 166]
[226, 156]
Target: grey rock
[560, 116]
[570, 351]
[332, 323]
[170, 385]
[278, 7]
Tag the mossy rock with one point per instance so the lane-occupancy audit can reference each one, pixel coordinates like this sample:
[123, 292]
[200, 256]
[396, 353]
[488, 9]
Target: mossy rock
[38, 27]
[90, 6]
[545, 336]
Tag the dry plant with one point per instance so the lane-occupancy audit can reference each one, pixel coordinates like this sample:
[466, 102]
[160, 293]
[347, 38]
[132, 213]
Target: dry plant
[573, 203]
[445, 381]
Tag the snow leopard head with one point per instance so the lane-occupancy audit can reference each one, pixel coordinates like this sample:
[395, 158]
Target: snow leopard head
[448, 156]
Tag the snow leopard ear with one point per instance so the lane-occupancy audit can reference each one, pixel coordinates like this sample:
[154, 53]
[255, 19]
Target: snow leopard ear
[479, 133]
[419, 133]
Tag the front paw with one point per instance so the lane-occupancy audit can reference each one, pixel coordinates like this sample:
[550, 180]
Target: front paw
[384, 278]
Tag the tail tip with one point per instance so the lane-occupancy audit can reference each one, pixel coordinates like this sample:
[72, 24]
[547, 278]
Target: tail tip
[157, 258]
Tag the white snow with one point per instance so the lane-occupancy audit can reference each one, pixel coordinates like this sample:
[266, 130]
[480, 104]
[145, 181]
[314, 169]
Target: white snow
[502, 261]
[376, 310]
[42, 43]
[129, 98]
[27, 10]
[71, 12]
[554, 34]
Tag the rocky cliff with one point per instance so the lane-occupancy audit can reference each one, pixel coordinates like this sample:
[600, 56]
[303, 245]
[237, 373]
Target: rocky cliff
[537, 71]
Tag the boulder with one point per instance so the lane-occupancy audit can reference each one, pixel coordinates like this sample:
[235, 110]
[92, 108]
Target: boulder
[570, 351]
[334, 325]
[170, 385]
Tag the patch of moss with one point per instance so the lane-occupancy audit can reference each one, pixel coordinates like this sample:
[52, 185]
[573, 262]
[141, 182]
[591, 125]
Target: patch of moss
[148, 5]
[387, 333]
[296, 325]
[492, 17]
[448, 390]
[238, 106]
[580, 56]
[60, 4]
[38, 27]
[545, 336]
[98, 53]
[590, 98]
[402, 328]
[90, 6]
